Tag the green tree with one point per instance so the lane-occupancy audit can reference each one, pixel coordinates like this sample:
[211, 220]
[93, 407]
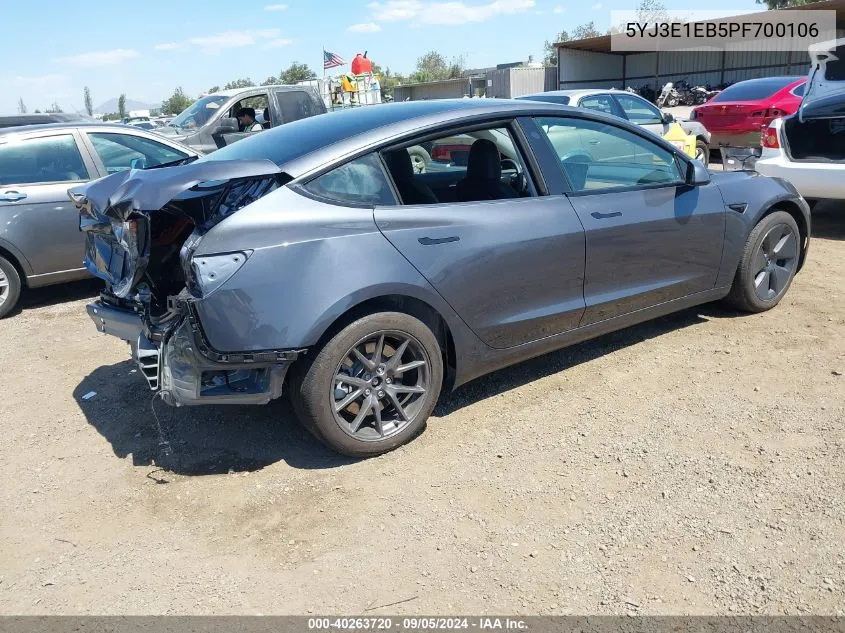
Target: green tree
[89, 105]
[245, 82]
[54, 108]
[270, 81]
[651, 11]
[388, 80]
[121, 105]
[581, 32]
[295, 73]
[431, 67]
[213, 89]
[783, 4]
[21, 106]
[176, 103]
[37, 111]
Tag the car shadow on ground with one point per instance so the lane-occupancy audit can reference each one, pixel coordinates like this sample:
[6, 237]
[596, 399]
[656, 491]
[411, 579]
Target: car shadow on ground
[221, 439]
[828, 221]
[60, 293]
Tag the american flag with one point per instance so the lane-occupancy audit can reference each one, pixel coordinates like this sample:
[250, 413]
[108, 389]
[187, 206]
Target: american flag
[331, 60]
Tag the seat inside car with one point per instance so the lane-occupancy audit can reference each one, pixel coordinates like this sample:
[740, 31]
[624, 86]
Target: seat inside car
[483, 179]
[402, 169]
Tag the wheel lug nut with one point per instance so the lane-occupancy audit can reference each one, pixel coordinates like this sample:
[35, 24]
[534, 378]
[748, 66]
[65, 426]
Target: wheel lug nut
[389, 381]
[381, 394]
[367, 392]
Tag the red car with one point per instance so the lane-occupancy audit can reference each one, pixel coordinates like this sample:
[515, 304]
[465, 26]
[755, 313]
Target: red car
[735, 116]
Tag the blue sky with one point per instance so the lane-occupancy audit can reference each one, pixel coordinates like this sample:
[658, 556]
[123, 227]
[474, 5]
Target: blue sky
[148, 48]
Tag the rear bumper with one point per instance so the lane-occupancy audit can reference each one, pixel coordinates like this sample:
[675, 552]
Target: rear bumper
[812, 180]
[180, 365]
[742, 138]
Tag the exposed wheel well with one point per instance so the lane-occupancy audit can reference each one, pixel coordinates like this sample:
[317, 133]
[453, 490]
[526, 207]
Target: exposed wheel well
[793, 209]
[407, 305]
[14, 262]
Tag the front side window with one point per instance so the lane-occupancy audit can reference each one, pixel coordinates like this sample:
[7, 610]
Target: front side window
[117, 151]
[596, 156]
[639, 111]
[41, 160]
[358, 182]
[199, 112]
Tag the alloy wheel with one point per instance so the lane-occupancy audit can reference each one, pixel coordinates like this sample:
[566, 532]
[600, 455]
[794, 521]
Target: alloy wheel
[775, 262]
[381, 385]
[4, 287]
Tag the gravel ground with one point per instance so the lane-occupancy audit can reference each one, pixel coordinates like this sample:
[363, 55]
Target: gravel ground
[692, 465]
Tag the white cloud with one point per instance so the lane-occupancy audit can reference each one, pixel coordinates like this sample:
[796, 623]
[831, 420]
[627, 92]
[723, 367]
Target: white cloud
[100, 58]
[232, 39]
[279, 42]
[169, 46]
[365, 27]
[559, 9]
[275, 7]
[39, 81]
[598, 6]
[445, 13]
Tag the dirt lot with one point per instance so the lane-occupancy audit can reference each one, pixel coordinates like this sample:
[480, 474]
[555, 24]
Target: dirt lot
[691, 465]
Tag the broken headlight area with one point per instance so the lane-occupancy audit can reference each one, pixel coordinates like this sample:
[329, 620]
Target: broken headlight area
[143, 228]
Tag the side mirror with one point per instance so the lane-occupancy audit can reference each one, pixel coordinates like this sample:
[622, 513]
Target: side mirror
[227, 126]
[137, 163]
[697, 173]
[668, 117]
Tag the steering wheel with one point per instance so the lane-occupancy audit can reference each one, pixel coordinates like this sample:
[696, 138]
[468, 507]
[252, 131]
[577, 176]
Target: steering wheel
[518, 181]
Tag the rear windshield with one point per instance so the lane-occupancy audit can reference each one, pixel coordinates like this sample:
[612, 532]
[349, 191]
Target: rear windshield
[558, 99]
[754, 89]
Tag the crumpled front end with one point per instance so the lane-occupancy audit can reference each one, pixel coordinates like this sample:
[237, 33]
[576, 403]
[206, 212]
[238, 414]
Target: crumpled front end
[142, 230]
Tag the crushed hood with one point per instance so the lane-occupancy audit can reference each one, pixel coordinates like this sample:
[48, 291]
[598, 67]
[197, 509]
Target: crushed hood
[824, 96]
[115, 211]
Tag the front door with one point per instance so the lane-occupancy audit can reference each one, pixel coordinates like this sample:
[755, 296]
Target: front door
[36, 215]
[651, 238]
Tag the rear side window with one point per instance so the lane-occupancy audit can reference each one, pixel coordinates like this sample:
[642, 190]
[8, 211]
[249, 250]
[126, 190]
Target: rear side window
[360, 182]
[599, 103]
[45, 159]
[295, 105]
[753, 89]
[798, 91]
[558, 99]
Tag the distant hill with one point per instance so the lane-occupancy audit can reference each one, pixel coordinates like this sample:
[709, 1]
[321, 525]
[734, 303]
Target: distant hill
[111, 106]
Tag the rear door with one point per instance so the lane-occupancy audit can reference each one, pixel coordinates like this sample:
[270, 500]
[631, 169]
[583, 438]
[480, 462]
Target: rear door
[36, 215]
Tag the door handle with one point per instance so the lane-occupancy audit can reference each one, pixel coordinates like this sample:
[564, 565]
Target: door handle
[12, 196]
[428, 241]
[593, 142]
[602, 216]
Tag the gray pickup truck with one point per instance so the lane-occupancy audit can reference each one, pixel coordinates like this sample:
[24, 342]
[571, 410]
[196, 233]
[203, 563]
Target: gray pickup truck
[210, 123]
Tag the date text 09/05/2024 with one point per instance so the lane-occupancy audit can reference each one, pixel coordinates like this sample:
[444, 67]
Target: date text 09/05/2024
[721, 29]
[416, 624]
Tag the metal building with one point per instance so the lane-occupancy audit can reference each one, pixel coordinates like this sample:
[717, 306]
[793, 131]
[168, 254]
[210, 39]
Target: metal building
[591, 63]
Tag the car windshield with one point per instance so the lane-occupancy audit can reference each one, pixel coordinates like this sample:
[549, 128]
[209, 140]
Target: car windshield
[753, 89]
[199, 112]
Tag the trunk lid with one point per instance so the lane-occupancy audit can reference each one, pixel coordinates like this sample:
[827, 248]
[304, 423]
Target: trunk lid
[119, 214]
[824, 97]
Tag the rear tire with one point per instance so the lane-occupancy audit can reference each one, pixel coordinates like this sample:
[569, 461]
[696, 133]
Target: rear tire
[768, 265]
[396, 397]
[10, 287]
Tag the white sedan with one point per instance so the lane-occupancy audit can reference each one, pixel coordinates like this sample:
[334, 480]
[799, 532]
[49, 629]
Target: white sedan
[808, 148]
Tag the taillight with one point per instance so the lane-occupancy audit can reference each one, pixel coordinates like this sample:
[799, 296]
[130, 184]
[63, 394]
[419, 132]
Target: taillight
[441, 154]
[769, 137]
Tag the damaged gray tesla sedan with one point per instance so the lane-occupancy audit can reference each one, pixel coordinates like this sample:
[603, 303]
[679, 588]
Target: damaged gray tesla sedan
[315, 258]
